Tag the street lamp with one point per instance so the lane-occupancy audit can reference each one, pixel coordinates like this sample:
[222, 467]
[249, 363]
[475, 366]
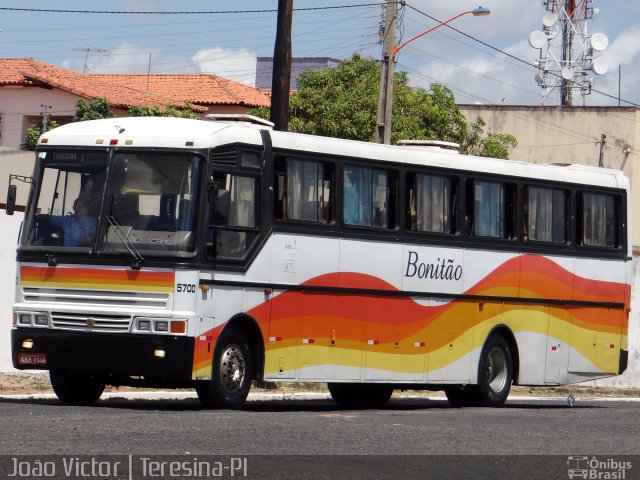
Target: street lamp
[385, 99]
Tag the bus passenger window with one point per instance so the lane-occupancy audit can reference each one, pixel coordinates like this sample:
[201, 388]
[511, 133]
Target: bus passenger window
[304, 191]
[600, 220]
[431, 203]
[493, 209]
[545, 215]
[367, 198]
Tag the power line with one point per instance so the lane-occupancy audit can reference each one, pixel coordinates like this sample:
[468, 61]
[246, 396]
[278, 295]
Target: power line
[202, 12]
[509, 55]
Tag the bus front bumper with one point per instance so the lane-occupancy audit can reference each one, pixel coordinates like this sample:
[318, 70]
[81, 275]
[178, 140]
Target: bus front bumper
[162, 359]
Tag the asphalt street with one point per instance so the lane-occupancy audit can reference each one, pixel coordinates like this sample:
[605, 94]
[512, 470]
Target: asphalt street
[311, 437]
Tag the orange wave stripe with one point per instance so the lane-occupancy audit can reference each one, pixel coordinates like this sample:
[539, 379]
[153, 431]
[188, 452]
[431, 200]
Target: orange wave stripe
[353, 317]
[94, 278]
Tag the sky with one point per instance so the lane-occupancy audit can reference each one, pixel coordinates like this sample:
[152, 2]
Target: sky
[226, 37]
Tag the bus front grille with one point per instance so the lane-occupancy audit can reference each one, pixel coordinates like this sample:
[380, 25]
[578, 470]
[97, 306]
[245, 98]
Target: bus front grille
[95, 298]
[91, 323]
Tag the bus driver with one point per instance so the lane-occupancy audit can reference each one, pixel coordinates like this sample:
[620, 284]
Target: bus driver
[79, 228]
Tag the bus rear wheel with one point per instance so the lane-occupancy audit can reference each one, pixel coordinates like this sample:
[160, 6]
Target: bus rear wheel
[360, 395]
[232, 372]
[495, 372]
[76, 388]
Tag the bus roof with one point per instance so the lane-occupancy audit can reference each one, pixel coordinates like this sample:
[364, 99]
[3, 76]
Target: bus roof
[168, 132]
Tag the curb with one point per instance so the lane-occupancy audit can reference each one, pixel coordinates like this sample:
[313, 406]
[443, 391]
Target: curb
[295, 396]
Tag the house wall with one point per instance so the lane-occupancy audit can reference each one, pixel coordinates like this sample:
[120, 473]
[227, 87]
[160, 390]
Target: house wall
[19, 103]
[569, 135]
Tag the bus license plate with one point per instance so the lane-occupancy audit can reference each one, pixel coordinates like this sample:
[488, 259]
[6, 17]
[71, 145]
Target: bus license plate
[32, 359]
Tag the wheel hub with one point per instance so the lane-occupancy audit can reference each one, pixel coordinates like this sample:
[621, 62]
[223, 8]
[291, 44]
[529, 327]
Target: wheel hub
[496, 369]
[232, 366]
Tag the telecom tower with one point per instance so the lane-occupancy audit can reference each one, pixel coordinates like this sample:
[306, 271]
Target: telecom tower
[567, 50]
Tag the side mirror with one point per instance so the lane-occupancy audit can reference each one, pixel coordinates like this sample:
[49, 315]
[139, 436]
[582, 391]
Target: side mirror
[11, 199]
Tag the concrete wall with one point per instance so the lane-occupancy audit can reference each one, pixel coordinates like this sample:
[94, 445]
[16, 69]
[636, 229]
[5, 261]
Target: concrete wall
[264, 69]
[17, 162]
[9, 226]
[569, 135]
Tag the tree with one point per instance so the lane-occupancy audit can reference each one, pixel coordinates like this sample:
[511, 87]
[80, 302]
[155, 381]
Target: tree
[33, 133]
[342, 102]
[186, 111]
[93, 110]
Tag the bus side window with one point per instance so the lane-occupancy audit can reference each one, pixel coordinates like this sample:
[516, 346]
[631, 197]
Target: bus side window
[492, 206]
[545, 215]
[304, 189]
[431, 201]
[600, 220]
[369, 197]
[233, 226]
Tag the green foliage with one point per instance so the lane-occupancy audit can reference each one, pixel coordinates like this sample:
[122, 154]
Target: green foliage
[342, 102]
[186, 111]
[496, 145]
[33, 133]
[93, 110]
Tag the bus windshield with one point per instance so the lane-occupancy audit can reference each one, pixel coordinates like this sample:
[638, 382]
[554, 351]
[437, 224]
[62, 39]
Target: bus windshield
[90, 200]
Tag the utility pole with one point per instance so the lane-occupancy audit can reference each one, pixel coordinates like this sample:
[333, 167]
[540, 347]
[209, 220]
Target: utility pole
[45, 117]
[281, 79]
[601, 157]
[385, 98]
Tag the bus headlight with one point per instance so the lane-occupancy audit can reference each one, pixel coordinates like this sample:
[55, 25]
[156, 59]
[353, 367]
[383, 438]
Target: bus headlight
[161, 326]
[41, 319]
[24, 319]
[144, 325]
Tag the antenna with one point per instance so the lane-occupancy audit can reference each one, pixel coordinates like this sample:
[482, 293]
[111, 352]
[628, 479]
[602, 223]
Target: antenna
[568, 54]
[86, 57]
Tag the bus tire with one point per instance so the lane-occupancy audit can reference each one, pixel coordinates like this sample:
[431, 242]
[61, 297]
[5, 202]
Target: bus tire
[360, 395]
[76, 388]
[495, 372]
[232, 372]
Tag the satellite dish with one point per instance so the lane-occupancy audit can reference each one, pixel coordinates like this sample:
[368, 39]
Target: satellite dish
[599, 66]
[567, 73]
[599, 41]
[537, 39]
[539, 79]
[549, 20]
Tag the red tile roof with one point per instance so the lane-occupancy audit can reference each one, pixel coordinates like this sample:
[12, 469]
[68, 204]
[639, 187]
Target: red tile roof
[123, 91]
[201, 89]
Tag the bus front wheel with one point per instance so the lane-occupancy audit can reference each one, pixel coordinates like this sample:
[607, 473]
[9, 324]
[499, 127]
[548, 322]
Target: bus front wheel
[76, 388]
[232, 372]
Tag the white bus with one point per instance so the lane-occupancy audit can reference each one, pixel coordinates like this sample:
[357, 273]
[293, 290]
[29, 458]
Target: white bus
[208, 253]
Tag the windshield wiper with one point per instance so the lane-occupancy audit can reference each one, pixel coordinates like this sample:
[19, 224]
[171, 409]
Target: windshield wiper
[137, 258]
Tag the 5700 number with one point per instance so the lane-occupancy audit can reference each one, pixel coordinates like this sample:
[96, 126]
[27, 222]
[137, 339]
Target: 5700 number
[186, 288]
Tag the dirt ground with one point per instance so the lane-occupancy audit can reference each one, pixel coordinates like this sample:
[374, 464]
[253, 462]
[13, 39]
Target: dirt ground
[38, 382]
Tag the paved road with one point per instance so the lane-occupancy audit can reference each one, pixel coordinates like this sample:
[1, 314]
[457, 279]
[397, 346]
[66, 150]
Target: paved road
[418, 436]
